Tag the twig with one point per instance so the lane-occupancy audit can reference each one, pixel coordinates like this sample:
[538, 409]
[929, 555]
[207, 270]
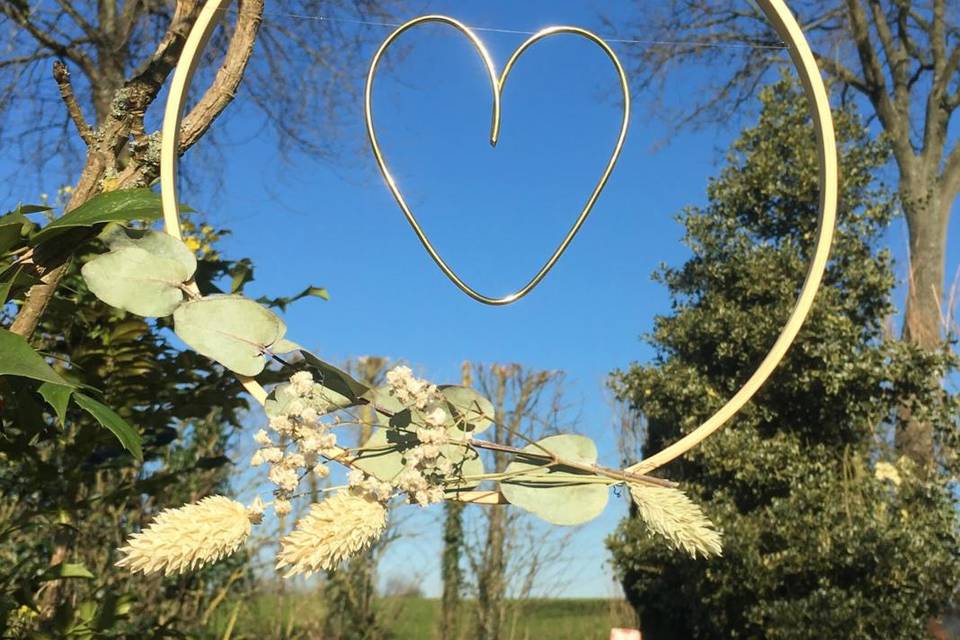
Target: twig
[62, 76]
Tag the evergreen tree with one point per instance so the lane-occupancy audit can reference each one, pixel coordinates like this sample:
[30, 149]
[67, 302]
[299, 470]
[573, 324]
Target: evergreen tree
[826, 534]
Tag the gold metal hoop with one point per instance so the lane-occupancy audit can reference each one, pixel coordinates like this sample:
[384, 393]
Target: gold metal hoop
[497, 85]
[786, 26]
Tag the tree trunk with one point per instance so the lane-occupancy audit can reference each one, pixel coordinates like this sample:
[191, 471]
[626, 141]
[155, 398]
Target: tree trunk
[450, 566]
[927, 214]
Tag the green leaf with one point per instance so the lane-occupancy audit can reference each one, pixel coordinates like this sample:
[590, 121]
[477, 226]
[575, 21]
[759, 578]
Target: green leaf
[382, 454]
[466, 462]
[137, 281]
[67, 570]
[156, 243]
[6, 283]
[285, 346]
[57, 396]
[109, 419]
[13, 227]
[471, 411]
[336, 380]
[283, 302]
[558, 494]
[19, 359]
[233, 330]
[113, 206]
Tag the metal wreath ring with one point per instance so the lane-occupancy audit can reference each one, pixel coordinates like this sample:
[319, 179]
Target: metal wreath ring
[780, 17]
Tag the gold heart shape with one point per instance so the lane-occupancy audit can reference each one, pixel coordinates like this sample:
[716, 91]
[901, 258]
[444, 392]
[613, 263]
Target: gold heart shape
[497, 84]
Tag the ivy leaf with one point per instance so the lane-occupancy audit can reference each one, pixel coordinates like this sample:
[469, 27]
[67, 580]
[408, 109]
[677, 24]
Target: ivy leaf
[113, 206]
[137, 281]
[233, 330]
[557, 494]
[57, 396]
[471, 411]
[19, 359]
[109, 419]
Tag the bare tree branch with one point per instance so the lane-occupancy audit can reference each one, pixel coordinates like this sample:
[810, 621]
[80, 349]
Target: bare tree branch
[224, 86]
[69, 50]
[62, 77]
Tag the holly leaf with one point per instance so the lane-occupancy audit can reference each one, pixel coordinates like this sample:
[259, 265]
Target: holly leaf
[109, 419]
[19, 359]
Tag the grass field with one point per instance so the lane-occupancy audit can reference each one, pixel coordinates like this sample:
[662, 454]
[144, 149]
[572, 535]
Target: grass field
[301, 616]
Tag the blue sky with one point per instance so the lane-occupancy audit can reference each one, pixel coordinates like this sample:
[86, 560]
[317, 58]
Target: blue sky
[495, 214]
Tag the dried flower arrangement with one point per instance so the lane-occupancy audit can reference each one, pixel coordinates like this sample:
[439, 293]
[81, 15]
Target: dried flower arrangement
[426, 443]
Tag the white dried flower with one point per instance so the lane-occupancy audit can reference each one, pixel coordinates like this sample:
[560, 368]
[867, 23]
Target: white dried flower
[281, 424]
[336, 529]
[321, 471]
[294, 461]
[272, 455]
[257, 458]
[255, 511]
[189, 537]
[282, 507]
[262, 438]
[302, 382]
[670, 513]
[435, 416]
[430, 451]
[284, 477]
[355, 477]
[309, 415]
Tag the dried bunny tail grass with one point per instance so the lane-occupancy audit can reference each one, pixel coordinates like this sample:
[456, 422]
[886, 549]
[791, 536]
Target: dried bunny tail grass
[189, 537]
[335, 529]
[677, 518]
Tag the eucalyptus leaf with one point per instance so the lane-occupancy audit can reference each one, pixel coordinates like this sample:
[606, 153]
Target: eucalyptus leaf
[19, 359]
[278, 399]
[390, 411]
[472, 412]
[558, 494]
[233, 330]
[285, 346]
[466, 462]
[109, 419]
[156, 243]
[382, 454]
[137, 281]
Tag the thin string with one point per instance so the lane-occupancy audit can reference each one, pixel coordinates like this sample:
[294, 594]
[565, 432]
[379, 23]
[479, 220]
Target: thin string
[394, 25]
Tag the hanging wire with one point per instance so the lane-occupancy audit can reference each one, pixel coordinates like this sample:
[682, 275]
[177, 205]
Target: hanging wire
[518, 32]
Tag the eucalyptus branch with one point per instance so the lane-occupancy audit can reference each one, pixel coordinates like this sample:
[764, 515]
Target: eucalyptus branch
[555, 460]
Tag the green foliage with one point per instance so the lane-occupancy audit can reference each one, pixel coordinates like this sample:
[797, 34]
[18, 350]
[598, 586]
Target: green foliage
[816, 543]
[19, 359]
[70, 495]
[115, 206]
[109, 419]
[556, 493]
[471, 412]
[137, 281]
